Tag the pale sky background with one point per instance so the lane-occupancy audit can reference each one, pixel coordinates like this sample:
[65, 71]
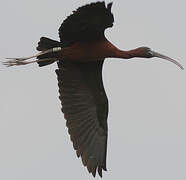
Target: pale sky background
[147, 117]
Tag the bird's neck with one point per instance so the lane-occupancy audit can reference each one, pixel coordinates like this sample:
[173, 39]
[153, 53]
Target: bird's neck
[128, 54]
[114, 52]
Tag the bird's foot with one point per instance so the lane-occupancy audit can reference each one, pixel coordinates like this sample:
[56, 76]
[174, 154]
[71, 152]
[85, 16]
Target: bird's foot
[22, 61]
[16, 62]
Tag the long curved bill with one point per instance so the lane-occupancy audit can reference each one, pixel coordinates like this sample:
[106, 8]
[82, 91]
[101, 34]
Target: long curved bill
[156, 54]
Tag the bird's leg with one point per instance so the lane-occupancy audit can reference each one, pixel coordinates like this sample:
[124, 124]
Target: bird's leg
[22, 61]
[18, 62]
[30, 57]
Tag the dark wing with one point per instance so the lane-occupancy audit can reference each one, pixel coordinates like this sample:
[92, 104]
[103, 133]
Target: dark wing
[85, 107]
[87, 23]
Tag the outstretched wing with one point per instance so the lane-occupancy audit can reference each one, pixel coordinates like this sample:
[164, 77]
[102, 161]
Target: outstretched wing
[85, 107]
[87, 23]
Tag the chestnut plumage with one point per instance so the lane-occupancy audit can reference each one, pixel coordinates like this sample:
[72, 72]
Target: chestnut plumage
[80, 55]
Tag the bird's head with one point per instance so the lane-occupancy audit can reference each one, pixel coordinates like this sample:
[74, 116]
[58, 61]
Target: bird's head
[146, 52]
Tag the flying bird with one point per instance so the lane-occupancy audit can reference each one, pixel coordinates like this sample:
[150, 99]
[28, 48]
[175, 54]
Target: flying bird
[80, 55]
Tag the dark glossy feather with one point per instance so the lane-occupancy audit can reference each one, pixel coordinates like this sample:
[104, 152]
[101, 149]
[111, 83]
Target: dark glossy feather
[45, 44]
[87, 23]
[85, 108]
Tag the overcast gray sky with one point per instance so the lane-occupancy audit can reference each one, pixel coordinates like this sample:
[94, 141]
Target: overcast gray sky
[147, 117]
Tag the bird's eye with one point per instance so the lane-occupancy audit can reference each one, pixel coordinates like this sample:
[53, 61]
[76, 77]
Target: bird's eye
[149, 52]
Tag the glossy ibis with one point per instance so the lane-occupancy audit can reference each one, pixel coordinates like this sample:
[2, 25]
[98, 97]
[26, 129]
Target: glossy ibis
[80, 56]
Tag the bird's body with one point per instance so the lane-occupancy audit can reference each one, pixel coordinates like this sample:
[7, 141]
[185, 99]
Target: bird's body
[86, 51]
[80, 55]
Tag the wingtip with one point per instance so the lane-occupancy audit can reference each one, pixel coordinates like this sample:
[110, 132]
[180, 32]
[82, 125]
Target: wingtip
[100, 171]
[104, 168]
[94, 172]
[109, 6]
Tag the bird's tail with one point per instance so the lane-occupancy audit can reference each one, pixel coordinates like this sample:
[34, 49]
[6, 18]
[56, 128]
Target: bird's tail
[49, 54]
[43, 45]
